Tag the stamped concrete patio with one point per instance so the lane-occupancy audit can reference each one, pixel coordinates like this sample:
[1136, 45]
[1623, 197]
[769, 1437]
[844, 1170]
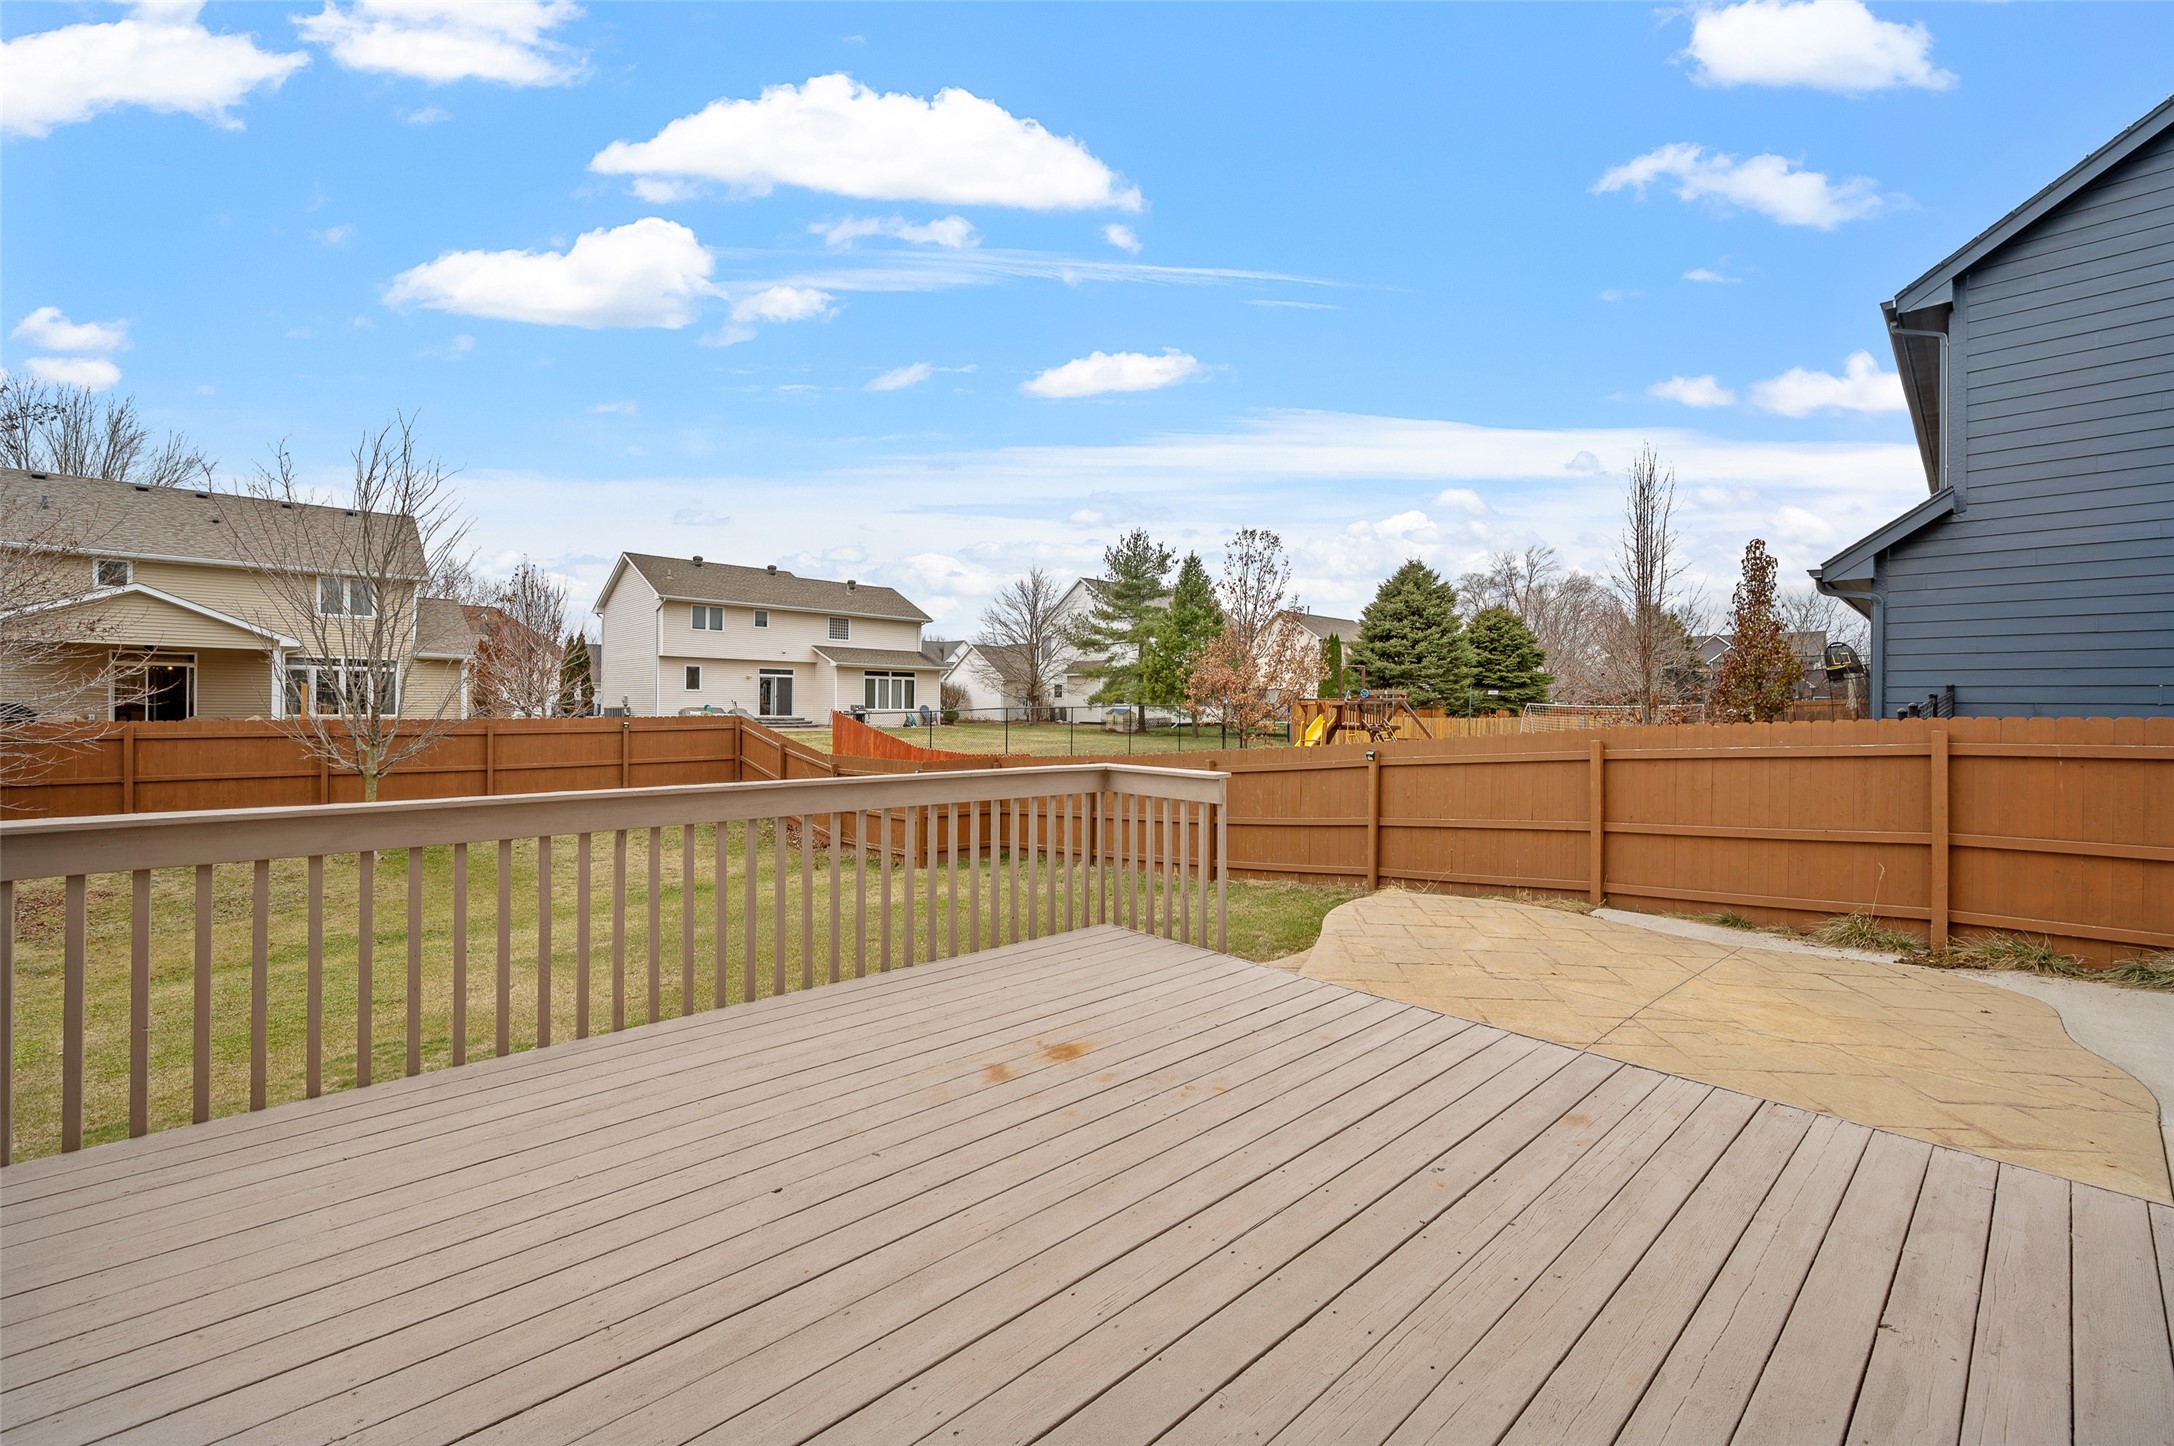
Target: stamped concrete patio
[1949, 1060]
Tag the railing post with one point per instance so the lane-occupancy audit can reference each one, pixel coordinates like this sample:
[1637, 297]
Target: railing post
[1597, 813]
[1373, 820]
[1222, 870]
[1938, 758]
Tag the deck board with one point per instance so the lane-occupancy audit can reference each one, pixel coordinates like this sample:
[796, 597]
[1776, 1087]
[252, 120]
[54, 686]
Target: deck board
[1095, 1188]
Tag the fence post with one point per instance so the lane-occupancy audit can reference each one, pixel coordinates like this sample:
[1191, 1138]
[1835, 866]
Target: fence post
[128, 768]
[1597, 810]
[626, 735]
[1938, 754]
[1373, 820]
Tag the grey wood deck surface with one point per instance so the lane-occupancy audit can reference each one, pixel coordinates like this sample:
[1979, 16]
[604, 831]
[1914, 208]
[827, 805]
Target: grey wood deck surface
[1099, 1188]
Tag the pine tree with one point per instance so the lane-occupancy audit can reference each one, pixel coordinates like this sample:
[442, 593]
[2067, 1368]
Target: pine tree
[1409, 638]
[577, 678]
[1127, 612]
[1760, 672]
[1507, 663]
[1182, 631]
[1332, 667]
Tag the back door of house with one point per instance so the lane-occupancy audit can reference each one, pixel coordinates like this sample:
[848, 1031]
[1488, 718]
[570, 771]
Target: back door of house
[774, 694]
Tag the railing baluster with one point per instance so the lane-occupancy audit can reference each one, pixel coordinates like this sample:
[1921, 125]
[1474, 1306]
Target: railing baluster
[912, 848]
[951, 856]
[1136, 861]
[1034, 859]
[460, 953]
[1011, 856]
[777, 908]
[860, 894]
[883, 953]
[75, 931]
[807, 901]
[502, 1036]
[720, 870]
[314, 1042]
[686, 920]
[751, 857]
[1072, 810]
[618, 930]
[7, 1021]
[1207, 811]
[1102, 857]
[415, 963]
[543, 941]
[973, 877]
[139, 1003]
[836, 904]
[200, 1037]
[365, 957]
[1222, 875]
[656, 925]
[260, 978]
[1185, 911]
[928, 827]
[582, 939]
[1171, 842]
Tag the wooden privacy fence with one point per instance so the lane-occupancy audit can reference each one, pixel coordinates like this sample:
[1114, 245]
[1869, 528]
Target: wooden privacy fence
[1057, 848]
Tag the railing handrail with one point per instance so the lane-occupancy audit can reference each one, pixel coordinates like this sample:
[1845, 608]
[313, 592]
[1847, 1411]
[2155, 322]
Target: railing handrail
[114, 843]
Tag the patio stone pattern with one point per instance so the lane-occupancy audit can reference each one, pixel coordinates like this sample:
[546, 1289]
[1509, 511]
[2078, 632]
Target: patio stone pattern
[1925, 1054]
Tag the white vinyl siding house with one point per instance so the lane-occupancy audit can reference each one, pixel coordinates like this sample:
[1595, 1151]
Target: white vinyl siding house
[682, 635]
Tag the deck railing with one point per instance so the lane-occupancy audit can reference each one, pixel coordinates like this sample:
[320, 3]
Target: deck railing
[1041, 850]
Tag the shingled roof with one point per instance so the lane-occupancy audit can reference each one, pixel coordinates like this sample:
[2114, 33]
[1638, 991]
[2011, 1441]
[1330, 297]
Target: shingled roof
[687, 580]
[126, 519]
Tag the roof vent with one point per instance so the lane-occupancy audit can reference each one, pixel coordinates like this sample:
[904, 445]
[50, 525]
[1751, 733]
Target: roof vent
[851, 585]
[143, 487]
[288, 505]
[41, 476]
[351, 512]
[773, 569]
[203, 494]
[698, 559]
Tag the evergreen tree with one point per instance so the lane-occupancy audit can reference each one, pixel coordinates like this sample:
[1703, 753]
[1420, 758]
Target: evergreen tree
[1332, 667]
[1760, 672]
[1127, 613]
[1183, 630]
[1507, 663]
[577, 678]
[1409, 638]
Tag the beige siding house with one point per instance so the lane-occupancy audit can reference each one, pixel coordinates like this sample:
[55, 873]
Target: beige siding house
[684, 635]
[141, 603]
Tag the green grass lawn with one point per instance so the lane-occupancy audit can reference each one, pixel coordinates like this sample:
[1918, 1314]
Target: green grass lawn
[1056, 740]
[1266, 920]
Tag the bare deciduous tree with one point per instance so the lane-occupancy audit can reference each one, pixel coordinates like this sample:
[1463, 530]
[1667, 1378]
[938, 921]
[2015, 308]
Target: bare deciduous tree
[1264, 657]
[76, 433]
[1570, 613]
[1024, 642]
[1809, 610]
[1255, 584]
[347, 582]
[1647, 570]
[516, 669]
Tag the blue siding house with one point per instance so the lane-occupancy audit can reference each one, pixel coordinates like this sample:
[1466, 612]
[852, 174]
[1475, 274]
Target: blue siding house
[2037, 579]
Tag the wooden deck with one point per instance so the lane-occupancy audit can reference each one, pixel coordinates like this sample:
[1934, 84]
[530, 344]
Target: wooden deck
[1098, 1188]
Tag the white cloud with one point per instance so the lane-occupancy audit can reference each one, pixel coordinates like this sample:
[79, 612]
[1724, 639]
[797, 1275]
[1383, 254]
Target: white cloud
[338, 235]
[1835, 45]
[1292, 305]
[50, 329]
[507, 41]
[1123, 371]
[1693, 391]
[782, 303]
[428, 115]
[900, 378]
[1862, 387]
[951, 232]
[618, 409]
[92, 373]
[650, 272]
[1620, 295]
[663, 193]
[159, 58]
[1461, 497]
[1586, 463]
[1121, 237]
[1771, 185]
[455, 349]
[1710, 277]
[837, 136]
[1797, 524]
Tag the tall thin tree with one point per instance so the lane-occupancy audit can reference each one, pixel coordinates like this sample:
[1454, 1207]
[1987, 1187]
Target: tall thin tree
[1647, 571]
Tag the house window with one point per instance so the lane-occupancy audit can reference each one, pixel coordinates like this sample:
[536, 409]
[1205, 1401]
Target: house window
[334, 687]
[709, 620]
[115, 572]
[841, 629]
[762, 617]
[346, 597]
[1057, 690]
[694, 679]
[883, 692]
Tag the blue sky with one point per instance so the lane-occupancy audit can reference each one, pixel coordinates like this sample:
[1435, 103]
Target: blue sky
[1407, 280]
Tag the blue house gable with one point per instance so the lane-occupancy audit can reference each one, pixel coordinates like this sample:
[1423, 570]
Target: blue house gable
[2037, 578]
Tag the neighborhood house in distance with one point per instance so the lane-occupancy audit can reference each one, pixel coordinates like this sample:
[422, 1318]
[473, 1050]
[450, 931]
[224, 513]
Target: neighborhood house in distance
[686, 635]
[157, 612]
[2038, 360]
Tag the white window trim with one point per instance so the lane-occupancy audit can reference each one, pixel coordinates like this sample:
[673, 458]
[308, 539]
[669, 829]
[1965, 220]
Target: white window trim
[347, 586]
[762, 617]
[691, 677]
[841, 630]
[310, 666]
[100, 564]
